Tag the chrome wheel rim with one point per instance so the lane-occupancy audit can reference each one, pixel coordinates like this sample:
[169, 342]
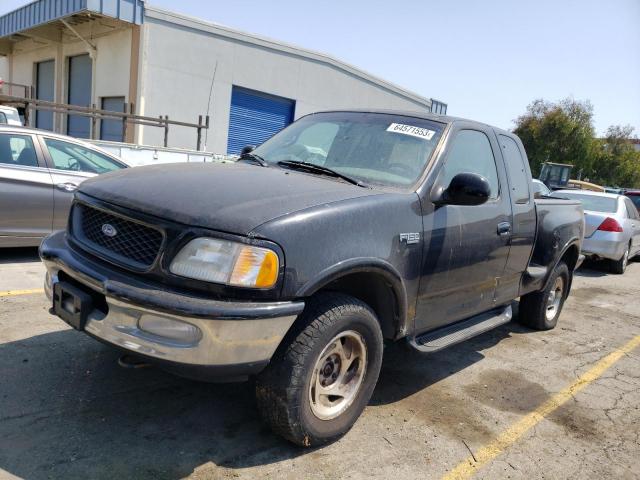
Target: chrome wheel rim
[555, 298]
[338, 375]
[625, 259]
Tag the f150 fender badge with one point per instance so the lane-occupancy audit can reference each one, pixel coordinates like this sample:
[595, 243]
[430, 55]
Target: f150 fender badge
[410, 238]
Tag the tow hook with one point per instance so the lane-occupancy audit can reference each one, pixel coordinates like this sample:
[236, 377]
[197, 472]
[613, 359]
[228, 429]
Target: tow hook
[131, 361]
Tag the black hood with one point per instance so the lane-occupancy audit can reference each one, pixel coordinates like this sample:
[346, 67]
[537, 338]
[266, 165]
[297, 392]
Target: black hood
[233, 198]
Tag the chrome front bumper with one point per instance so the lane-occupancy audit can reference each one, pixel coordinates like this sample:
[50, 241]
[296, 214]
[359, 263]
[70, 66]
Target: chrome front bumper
[234, 339]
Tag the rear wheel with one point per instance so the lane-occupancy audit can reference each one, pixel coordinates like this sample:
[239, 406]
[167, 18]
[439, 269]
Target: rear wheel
[619, 266]
[540, 310]
[320, 381]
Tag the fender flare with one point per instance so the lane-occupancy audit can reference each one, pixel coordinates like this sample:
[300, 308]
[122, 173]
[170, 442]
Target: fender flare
[363, 265]
[573, 241]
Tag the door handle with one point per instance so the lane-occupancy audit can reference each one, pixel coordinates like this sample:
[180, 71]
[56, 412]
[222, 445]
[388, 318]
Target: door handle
[504, 229]
[67, 187]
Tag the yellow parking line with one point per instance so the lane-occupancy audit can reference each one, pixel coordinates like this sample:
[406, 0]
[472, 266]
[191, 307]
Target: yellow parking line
[508, 437]
[13, 293]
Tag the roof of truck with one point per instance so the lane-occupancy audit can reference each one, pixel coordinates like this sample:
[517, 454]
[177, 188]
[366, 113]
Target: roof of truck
[408, 113]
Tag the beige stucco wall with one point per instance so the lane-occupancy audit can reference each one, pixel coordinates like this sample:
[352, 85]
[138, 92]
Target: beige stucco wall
[179, 59]
[111, 65]
[4, 68]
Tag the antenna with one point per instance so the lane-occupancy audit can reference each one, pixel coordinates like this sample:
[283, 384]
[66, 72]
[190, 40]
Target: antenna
[213, 78]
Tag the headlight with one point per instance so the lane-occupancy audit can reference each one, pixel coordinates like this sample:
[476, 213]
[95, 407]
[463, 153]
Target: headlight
[221, 261]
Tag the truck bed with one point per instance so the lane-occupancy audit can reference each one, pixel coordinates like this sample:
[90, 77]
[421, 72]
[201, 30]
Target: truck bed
[556, 228]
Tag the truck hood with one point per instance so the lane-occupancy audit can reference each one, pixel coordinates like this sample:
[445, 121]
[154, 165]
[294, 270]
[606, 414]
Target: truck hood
[233, 198]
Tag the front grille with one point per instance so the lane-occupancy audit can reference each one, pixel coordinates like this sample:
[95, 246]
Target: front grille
[115, 237]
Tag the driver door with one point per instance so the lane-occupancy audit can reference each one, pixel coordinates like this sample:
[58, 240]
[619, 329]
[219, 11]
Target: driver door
[465, 251]
[67, 174]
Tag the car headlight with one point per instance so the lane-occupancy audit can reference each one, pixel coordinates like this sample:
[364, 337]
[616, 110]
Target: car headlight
[222, 261]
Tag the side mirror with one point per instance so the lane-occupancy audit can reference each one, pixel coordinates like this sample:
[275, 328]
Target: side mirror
[247, 149]
[464, 189]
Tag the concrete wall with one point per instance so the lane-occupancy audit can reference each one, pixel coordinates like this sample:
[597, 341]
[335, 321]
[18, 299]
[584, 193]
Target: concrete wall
[4, 69]
[179, 56]
[111, 66]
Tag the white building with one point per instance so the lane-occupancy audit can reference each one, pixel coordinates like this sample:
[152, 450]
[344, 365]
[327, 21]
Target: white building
[110, 53]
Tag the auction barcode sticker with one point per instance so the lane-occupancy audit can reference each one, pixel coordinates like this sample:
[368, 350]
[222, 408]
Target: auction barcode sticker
[417, 132]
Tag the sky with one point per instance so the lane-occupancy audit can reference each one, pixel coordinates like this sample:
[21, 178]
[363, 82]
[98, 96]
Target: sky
[487, 59]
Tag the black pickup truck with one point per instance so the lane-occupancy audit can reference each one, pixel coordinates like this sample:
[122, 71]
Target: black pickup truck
[295, 264]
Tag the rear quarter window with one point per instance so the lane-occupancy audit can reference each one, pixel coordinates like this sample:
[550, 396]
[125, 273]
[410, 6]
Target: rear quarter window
[518, 177]
[635, 199]
[632, 212]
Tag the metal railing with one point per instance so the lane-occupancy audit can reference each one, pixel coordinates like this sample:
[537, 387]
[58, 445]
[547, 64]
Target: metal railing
[16, 89]
[126, 116]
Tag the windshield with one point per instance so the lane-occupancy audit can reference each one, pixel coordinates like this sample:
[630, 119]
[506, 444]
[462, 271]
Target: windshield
[540, 188]
[10, 116]
[374, 148]
[593, 202]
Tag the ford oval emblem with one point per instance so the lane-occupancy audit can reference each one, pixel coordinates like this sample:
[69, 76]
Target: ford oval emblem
[109, 230]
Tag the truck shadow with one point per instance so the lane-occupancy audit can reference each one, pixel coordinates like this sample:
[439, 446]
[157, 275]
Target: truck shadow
[406, 371]
[19, 255]
[67, 410]
[593, 268]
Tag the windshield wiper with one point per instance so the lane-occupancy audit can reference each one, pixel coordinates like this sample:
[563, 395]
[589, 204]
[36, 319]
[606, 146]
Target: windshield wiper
[255, 158]
[312, 167]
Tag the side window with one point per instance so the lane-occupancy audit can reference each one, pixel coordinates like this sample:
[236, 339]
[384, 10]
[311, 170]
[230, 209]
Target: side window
[471, 153]
[74, 157]
[17, 150]
[516, 170]
[632, 212]
[3, 118]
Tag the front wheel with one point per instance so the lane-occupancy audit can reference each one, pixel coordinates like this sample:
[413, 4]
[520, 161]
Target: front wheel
[320, 381]
[540, 310]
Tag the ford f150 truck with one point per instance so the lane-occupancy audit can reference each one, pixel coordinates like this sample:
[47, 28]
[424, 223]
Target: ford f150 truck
[294, 265]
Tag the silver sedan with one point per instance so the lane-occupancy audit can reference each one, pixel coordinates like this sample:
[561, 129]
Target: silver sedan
[39, 171]
[612, 227]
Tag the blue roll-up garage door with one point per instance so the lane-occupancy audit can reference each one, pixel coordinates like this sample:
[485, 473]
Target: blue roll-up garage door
[255, 117]
[79, 93]
[45, 77]
[111, 129]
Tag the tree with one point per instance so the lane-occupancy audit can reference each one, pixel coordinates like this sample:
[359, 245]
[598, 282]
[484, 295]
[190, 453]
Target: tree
[563, 132]
[558, 132]
[617, 162]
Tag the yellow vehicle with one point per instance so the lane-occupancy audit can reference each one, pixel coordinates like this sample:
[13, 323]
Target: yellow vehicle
[584, 185]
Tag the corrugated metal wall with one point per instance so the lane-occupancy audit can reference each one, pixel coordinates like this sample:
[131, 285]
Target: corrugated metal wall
[44, 11]
[254, 117]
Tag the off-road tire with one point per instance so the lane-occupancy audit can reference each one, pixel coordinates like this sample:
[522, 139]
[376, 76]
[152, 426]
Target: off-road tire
[533, 306]
[620, 266]
[282, 389]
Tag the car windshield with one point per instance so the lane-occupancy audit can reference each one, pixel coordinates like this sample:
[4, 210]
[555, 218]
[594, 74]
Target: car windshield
[540, 188]
[594, 203]
[373, 148]
[10, 116]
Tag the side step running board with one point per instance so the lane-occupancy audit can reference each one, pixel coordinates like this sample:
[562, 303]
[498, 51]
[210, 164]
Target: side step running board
[458, 332]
